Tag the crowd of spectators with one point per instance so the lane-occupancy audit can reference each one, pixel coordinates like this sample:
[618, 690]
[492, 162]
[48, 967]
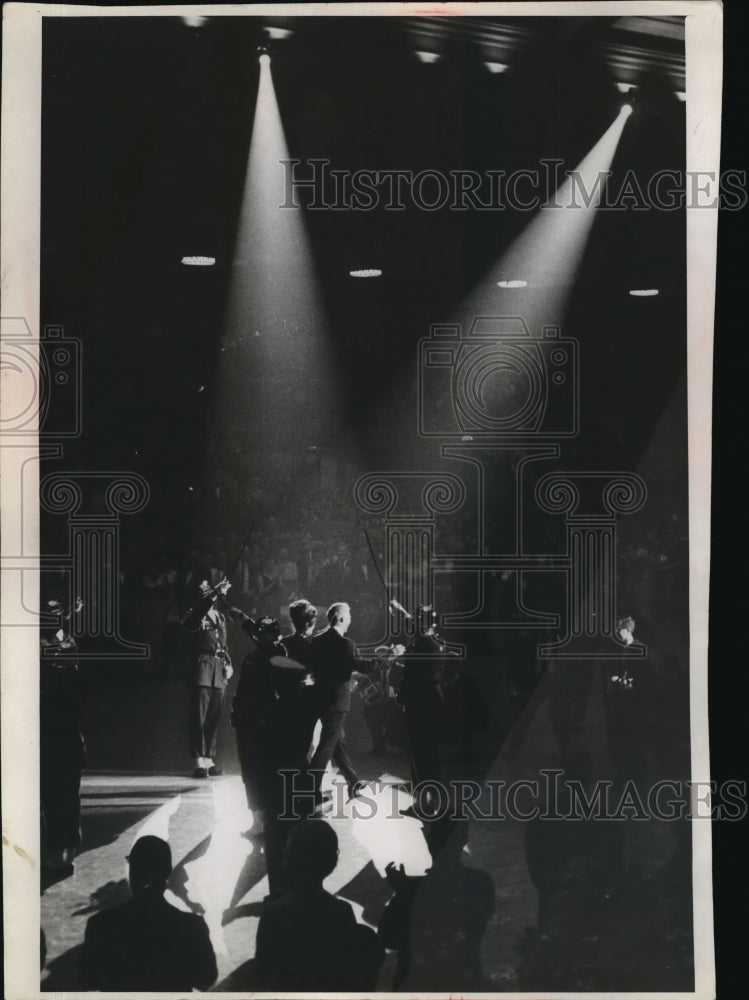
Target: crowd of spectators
[310, 539]
[305, 542]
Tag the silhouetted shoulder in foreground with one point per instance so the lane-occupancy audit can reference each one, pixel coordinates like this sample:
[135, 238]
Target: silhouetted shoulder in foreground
[308, 940]
[147, 945]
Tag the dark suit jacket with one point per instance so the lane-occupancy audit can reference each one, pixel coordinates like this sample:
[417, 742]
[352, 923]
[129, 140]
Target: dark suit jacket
[334, 658]
[274, 716]
[299, 649]
[147, 945]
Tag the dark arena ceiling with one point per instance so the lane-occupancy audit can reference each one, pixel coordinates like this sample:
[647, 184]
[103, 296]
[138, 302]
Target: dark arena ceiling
[145, 135]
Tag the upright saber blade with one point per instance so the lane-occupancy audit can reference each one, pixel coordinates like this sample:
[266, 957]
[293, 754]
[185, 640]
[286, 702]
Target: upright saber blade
[241, 550]
[374, 560]
[391, 602]
[213, 591]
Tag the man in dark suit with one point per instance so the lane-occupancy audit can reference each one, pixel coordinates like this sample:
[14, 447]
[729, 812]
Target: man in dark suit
[147, 945]
[299, 645]
[303, 616]
[274, 717]
[334, 659]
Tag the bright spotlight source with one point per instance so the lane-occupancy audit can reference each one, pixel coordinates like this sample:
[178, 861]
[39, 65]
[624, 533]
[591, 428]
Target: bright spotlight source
[264, 59]
[643, 293]
[512, 284]
[495, 67]
[625, 88]
[427, 57]
[198, 261]
[194, 20]
[368, 272]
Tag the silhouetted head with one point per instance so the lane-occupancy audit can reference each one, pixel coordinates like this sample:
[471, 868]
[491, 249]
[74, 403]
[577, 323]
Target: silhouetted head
[303, 616]
[267, 631]
[311, 851]
[339, 616]
[150, 864]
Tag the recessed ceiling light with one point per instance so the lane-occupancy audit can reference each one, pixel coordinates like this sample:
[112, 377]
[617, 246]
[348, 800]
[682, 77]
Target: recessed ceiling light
[427, 57]
[199, 261]
[643, 293]
[367, 272]
[624, 88]
[512, 284]
[495, 67]
[194, 20]
[278, 33]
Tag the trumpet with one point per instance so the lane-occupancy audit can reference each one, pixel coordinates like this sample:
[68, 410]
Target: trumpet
[390, 652]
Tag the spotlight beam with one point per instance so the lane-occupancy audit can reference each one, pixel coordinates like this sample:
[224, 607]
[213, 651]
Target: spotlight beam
[544, 260]
[276, 380]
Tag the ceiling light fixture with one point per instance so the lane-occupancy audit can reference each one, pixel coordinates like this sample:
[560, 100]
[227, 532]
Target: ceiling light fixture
[427, 57]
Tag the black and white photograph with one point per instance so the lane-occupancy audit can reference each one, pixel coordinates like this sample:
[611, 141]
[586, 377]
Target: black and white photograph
[355, 443]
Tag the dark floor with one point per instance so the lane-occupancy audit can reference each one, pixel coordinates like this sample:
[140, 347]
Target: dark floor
[220, 872]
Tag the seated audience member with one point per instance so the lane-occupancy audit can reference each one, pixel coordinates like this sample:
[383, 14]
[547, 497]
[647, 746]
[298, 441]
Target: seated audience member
[307, 940]
[147, 944]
